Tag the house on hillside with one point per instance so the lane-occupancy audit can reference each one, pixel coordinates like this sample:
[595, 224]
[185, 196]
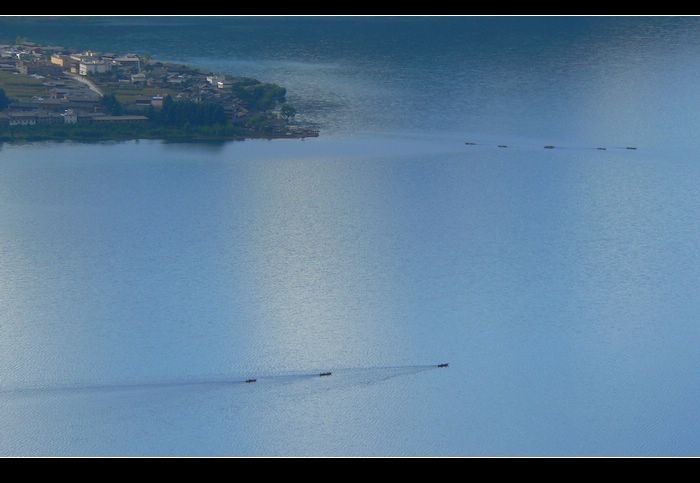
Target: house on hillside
[70, 116]
[138, 78]
[60, 60]
[21, 118]
[93, 67]
[129, 61]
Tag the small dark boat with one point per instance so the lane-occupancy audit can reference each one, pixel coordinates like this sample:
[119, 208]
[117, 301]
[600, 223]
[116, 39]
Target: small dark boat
[444, 364]
[502, 146]
[601, 149]
[470, 144]
[325, 374]
[549, 146]
[630, 147]
[250, 380]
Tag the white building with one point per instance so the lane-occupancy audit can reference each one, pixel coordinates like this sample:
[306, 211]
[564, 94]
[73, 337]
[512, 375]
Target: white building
[215, 79]
[93, 67]
[70, 116]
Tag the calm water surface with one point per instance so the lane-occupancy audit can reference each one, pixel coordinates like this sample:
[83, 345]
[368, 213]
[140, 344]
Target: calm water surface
[140, 280]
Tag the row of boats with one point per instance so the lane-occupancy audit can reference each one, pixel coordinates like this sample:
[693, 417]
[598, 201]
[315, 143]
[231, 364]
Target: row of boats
[551, 146]
[329, 373]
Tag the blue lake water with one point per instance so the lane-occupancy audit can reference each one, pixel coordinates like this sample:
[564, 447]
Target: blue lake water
[141, 281]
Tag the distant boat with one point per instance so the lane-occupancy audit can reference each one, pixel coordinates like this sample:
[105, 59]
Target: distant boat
[444, 364]
[250, 380]
[549, 146]
[325, 374]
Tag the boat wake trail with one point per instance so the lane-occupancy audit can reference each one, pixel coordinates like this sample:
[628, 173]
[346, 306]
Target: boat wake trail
[352, 375]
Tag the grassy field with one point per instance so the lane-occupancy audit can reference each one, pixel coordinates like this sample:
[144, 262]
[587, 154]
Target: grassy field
[128, 94]
[21, 86]
[17, 85]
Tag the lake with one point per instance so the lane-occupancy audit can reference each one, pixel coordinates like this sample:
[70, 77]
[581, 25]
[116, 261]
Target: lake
[142, 282]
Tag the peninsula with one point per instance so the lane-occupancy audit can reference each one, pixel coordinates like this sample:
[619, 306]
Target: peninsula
[53, 93]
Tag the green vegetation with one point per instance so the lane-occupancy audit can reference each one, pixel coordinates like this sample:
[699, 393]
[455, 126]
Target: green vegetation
[188, 113]
[288, 112]
[259, 122]
[4, 101]
[17, 86]
[148, 130]
[257, 96]
[111, 105]
[128, 94]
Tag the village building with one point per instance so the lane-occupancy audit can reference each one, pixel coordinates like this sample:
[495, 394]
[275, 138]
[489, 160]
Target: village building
[129, 61]
[61, 60]
[93, 67]
[119, 119]
[138, 78]
[70, 116]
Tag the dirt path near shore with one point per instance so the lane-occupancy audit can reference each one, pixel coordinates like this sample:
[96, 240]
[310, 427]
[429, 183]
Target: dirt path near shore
[88, 83]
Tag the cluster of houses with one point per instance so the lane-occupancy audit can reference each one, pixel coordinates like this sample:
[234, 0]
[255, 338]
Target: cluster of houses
[72, 97]
[68, 98]
[30, 58]
[31, 118]
[90, 63]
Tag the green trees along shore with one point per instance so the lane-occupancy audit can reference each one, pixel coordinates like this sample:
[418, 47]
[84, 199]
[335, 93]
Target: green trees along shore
[4, 101]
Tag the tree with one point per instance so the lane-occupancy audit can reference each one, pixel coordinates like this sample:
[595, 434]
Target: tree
[180, 113]
[111, 105]
[4, 101]
[258, 96]
[288, 112]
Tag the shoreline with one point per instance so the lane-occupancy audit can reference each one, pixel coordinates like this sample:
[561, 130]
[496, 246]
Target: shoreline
[26, 135]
